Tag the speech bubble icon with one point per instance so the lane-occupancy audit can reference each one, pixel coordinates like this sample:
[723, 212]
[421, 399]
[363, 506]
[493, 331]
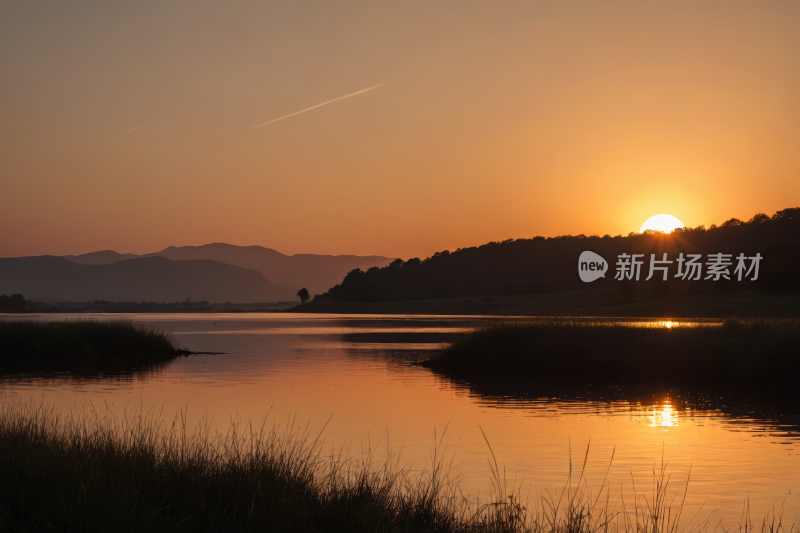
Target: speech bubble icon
[591, 266]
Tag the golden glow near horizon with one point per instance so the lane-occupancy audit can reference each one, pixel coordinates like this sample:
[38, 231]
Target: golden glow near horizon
[665, 223]
[128, 125]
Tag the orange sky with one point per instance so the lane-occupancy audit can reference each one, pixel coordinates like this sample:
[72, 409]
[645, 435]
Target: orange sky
[495, 120]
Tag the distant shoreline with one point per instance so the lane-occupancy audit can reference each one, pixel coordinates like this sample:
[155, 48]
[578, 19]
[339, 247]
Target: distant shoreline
[134, 312]
[603, 302]
[596, 302]
[99, 307]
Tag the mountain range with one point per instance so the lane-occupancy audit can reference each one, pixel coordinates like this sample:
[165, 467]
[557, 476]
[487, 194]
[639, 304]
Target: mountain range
[317, 273]
[133, 280]
[214, 272]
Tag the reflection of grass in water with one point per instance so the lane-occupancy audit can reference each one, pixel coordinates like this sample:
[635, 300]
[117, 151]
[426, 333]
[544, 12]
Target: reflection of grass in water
[738, 352]
[81, 338]
[93, 471]
[120, 372]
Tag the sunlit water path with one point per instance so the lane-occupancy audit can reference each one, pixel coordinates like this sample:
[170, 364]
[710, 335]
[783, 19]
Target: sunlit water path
[354, 373]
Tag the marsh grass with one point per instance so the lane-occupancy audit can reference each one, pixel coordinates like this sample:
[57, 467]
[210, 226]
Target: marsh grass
[742, 353]
[91, 470]
[28, 338]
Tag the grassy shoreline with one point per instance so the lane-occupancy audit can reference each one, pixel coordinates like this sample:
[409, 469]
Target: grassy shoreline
[738, 353]
[23, 339]
[92, 471]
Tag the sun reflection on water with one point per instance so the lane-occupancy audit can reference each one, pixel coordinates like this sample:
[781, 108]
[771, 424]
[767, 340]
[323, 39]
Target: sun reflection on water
[666, 416]
[669, 324]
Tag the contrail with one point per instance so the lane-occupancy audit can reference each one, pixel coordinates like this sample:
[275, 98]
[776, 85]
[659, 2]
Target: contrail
[319, 105]
[128, 131]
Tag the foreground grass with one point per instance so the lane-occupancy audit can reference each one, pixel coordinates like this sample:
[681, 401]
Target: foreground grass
[93, 472]
[738, 352]
[90, 471]
[23, 338]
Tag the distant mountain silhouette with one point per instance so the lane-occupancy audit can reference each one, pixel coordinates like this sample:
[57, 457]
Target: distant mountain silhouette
[104, 257]
[133, 280]
[317, 273]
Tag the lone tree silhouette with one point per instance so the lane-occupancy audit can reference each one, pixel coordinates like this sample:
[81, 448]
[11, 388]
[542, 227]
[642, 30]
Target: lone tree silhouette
[303, 294]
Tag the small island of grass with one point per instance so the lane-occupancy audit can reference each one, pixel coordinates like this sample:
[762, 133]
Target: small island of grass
[22, 339]
[751, 353]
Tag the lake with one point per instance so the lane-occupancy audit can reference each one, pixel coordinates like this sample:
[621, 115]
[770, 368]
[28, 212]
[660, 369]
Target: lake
[353, 376]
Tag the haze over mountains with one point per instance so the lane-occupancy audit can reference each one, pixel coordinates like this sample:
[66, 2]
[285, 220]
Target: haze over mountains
[142, 279]
[221, 273]
[214, 272]
[317, 273]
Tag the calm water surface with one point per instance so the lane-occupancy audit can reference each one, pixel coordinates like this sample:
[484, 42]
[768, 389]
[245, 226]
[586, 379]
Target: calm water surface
[354, 373]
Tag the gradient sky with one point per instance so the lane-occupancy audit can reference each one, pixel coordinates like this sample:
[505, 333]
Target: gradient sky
[130, 125]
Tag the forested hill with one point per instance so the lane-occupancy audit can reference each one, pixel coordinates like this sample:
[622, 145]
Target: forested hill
[526, 266]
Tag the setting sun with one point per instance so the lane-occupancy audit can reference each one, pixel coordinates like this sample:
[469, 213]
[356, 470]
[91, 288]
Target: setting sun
[665, 223]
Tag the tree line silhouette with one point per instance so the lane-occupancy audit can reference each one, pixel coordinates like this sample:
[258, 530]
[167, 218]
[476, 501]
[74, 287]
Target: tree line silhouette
[15, 302]
[546, 264]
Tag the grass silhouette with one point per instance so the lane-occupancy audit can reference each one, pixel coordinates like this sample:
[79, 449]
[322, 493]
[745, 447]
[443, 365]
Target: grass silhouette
[25, 338]
[93, 471]
[744, 353]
